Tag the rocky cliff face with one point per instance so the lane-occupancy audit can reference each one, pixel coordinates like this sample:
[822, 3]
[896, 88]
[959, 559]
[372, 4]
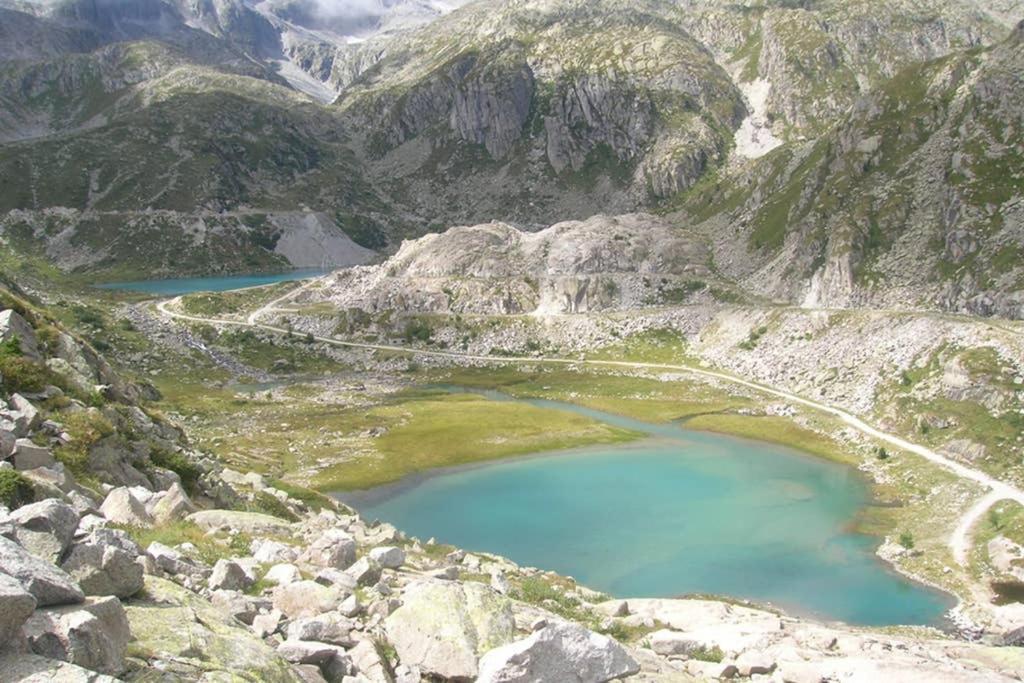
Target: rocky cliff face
[913, 200]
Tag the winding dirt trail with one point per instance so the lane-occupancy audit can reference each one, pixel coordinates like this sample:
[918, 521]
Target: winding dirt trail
[959, 542]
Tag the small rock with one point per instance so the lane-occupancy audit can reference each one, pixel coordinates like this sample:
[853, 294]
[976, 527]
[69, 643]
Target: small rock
[283, 574]
[122, 507]
[329, 627]
[350, 606]
[28, 456]
[229, 575]
[306, 599]
[388, 557]
[272, 552]
[264, 625]
[753, 662]
[364, 572]
[335, 549]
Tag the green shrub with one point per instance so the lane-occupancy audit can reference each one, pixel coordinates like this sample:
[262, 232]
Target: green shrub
[24, 375]
[178, 463]
[269, 505]
[907, 540]
[707, 653]
[86, 428]
[15, 489]
[417, 330]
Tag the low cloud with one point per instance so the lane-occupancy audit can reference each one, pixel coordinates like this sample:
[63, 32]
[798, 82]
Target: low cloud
[348, 8]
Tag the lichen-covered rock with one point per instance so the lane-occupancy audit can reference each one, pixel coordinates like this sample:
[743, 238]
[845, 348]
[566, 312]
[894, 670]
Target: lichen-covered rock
[444, 627]
[564, 652]
[184, 635]
[48, 584]
[93, 635]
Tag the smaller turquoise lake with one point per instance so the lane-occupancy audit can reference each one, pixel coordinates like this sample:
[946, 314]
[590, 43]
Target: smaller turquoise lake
[680, 512]
[188, 285]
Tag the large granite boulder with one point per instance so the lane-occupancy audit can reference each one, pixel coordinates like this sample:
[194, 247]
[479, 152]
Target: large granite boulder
[93, 635]
[443, 627]
[47, 584]
[122, 506]
[16, 605]
[45, 528]
[564, 652]
[307, 598]
[103, 563]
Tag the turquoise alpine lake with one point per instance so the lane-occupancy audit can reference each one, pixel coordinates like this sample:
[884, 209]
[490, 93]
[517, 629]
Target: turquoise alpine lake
[680, 512]
[188, 285]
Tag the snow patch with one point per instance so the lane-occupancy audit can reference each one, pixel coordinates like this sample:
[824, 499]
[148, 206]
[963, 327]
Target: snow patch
[754, 137]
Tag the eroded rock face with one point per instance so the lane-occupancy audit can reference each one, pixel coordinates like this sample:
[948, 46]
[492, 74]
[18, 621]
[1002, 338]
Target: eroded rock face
[573, 267]
[14, 327]
[443, 627]
[558, 652]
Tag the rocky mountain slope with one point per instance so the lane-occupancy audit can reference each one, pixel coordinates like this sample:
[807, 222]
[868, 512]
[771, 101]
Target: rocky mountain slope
[533, 112]
[573, 267]
[913, 199]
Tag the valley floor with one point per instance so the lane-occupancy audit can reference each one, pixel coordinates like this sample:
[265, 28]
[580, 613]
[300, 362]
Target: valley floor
[932, 498]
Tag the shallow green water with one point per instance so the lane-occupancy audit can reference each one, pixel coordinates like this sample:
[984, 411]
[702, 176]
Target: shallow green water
[187, 285]
[681, 512]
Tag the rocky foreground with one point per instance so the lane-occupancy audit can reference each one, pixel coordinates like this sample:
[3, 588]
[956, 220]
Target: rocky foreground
[332, 597]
